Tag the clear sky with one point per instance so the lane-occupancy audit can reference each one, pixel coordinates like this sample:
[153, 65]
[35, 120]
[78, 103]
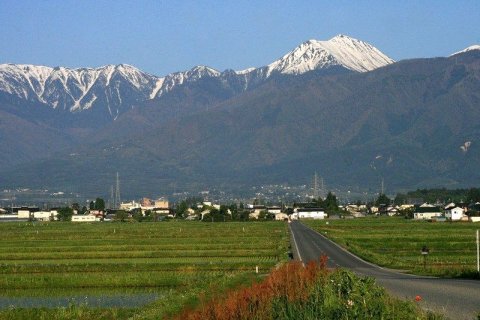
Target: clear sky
[160, 37]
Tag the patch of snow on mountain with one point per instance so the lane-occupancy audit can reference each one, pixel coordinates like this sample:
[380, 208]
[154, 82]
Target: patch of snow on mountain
[158, 86]
[110, 70]
[88, 104]
[474, 47]
[245, 71]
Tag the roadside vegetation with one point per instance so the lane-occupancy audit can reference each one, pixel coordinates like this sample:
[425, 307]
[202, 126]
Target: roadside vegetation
[396, 243]
[312, 292]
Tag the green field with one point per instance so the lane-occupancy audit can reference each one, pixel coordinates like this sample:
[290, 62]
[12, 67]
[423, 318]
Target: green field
[175, 262]
[397, 243]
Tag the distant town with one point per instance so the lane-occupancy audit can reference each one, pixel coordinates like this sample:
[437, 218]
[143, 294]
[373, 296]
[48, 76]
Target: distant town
[299, 202]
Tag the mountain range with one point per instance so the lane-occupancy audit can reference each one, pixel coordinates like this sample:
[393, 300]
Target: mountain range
[339, 107]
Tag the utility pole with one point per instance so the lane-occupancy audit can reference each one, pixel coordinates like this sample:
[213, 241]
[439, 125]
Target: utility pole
[383, 188]
[478, 252]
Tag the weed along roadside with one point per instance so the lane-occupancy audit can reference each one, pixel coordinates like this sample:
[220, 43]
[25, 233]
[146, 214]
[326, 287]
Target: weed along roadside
[295, 291]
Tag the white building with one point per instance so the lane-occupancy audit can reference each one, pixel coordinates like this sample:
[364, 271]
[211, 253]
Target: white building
[274, 210]
[24, 213]
[129, 206]
[281, 216]
[28, 213]
[84, 218]
[392, 211]
[310, 213]
[45, 215]
[426, 212]
[454, 214]
[255, 210]
[161, 203]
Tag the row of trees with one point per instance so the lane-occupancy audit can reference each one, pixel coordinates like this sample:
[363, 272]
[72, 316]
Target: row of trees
[66, 213]
[443, 195]
[330, 203]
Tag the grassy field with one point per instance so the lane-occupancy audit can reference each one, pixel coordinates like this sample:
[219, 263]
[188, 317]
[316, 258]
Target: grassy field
[176, 261]
[397, 243]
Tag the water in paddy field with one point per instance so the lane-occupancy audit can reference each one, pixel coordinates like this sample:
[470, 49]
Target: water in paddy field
[94, 299]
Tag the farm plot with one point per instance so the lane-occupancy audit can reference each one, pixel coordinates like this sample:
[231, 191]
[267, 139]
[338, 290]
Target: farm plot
[61, 259]
[397, 243]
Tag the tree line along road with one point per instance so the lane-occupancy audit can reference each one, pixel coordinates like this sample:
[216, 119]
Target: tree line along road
[455, 298]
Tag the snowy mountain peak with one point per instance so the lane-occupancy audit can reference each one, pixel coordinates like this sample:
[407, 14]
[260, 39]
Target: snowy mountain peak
[202, 71]
[167, 83]
[113, 88]
[341, 50]
[75, 89]
[474, 47]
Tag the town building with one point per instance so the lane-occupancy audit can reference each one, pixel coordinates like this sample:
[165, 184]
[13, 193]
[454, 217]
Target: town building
[454, 214]
[426, 212]
[310, 213]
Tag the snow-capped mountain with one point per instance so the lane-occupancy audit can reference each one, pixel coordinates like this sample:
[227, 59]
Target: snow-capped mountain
[77, 89]
[474, 47]
[167, 83]
[341, 50]
[115, 88]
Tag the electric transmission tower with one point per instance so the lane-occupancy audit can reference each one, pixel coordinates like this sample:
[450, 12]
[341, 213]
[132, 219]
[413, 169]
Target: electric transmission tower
[117, 193]
[111, 202]
[315, 185]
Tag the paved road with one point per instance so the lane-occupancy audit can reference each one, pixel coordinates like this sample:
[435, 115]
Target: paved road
[457, 299]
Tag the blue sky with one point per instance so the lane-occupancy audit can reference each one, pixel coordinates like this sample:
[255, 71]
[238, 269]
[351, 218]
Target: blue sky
[160, 37]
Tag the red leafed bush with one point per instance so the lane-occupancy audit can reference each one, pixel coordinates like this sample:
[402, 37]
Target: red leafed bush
[291, 281]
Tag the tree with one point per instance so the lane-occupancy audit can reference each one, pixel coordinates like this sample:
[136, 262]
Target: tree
[400, 198]
[121, 215]
[148, 216]
[76, 207]
[243, 215]
[262, 215]
[407, 213]
[473, 195]
[99, 204]
[331, 202]
[91, 206]
[181, 209]
[382, 199]
[217, 215]
[65, 214]
[265, 215]
[137, 214]
[234, 210]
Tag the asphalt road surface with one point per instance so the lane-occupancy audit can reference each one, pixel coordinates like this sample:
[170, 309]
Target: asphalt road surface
[456, 299]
